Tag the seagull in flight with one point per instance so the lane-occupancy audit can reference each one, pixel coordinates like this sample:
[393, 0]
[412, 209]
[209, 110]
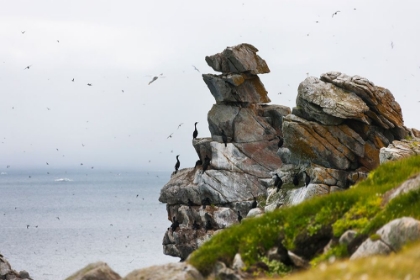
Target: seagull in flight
[89, 84]
[72, 80]
[23, 32]
[334, 14]
[392, 44]
[58, 41]
[170, 136]
[180, 125]
[196, 69]
[27, 67]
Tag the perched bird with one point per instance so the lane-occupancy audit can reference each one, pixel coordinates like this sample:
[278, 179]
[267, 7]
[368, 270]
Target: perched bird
[224, 138]
[278, 182]
[334, 14]
[239, 217]
[208, 222]
[89, 84]
[177, 164]
[281, 141]
[190, 203]
[206, 201]
[296, 179]
[175, 224]
[307, 179]
[254, 203]
[195, 133]
[206, 163]
[195, 225]
[198, 162]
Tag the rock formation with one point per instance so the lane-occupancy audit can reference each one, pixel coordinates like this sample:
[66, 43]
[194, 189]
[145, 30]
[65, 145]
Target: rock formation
[6, 271]
[332, 139]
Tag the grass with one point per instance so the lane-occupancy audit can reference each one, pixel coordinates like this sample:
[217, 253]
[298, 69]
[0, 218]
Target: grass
[328, 216]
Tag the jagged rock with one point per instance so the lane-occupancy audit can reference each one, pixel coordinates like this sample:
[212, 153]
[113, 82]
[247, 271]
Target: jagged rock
[274, 115]
[238, 59]
[347, 237]
[222, 272]
[411, 184]
[95, 271]
[415, 133]
[329, 104]
[5, 267]
[257, 159]
[398, 150]
[298, 261]
[202, 147]
[24, 274]
[384, 110]
[173, 271]
[243, 88]
[328, 176]
[256, 212]
[393, 236]
[237, 263]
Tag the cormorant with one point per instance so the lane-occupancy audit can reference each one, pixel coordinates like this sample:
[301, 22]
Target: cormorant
[296, 179]
[206, 201]
[198, 162]
[254, 203]
[224, 137]
[307, 179]
[175, 224]
[195, 133]
[208, 221]
[206, 163]
[190, 203]
[195, 225]
[177, 164]
[278, 182]
[280, 143]
[239, 217]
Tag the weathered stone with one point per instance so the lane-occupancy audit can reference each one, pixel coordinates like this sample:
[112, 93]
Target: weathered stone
[238, 59]
[181, 187]
[328, 176]
[275, 114]
[24, 274]
[380, 100]
[173, 271]
[322, 100]
[393, 236]
[399, 149]
[256, 212]
[237, 263]
[298, 261]
[248, 127]
[222, 272]
[95, 271]
[222, 116]
[202, 147]
[370, 160]
[415, 133]
[226, 88]
[347, 237]
[411, 184]
[328, 146]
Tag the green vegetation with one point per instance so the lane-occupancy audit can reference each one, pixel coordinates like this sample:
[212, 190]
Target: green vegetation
[358, 208]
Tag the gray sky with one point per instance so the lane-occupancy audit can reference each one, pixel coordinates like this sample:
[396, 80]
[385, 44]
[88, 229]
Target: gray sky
[120, 45]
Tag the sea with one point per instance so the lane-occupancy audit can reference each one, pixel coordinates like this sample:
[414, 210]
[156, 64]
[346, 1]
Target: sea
[54, 224]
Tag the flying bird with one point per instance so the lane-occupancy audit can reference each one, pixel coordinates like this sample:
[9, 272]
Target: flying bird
[27, 67]
[58, 41]
[392, 45]
[155, 78]
[334, 14]
[89, 84]
[196, 69]
[170, 136]
[72, 80]
[180, 125]
[23, 32]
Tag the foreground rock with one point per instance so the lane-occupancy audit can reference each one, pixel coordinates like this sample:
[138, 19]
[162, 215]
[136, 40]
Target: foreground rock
[6, 271]
[173, 271]
[390, 238]
[95, 271]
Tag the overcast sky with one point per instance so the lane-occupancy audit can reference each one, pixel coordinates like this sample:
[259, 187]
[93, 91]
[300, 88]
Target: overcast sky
[118, 46]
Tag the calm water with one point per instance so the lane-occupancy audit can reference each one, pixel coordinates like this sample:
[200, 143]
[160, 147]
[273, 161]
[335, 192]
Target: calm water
[78, 218]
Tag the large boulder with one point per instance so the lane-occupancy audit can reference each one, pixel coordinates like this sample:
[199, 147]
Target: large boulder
[173, 271]
[399, 149]
[238, 59]
[95, 271]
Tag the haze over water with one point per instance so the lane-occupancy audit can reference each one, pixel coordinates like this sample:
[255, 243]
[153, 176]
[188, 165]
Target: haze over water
[78, 218]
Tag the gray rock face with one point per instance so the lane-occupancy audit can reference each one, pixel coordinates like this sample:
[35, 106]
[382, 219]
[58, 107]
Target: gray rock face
[172, 271]
[392, 237]
[347, 237]
[238, 59]
[225, 273]
[95, 271]
[399, 149]
[6, 271]
[409, 185]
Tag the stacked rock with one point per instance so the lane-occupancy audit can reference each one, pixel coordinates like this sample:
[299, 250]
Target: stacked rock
[242, 153]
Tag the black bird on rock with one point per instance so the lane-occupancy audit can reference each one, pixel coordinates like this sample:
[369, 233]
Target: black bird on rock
[254, 203]
[177, 164]
[307, 179]
[206, 201]
[280, 143]
[296, 179]
[195, 133]
[239, 217]
[206, 163]
[198, 162]
[278, 182]
[175, 224]
[195, 225]
[190, 203]
[224, 138]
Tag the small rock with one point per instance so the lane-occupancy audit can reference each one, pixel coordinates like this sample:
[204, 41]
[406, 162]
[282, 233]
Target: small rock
[347, 237]
[95, 271]
[173, 271]
[237, 264]
[298, 261]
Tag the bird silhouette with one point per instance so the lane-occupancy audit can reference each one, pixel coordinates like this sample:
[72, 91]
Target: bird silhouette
[177, 164]
[89, 84]
[239, 217]
[224, 138]
[155, 78]
[195, 133]
[280, 143]
[27, 67]
[307, 179]
[334, 14]
[23, 32]
[72, 80]
[278, 182]
[196, 69]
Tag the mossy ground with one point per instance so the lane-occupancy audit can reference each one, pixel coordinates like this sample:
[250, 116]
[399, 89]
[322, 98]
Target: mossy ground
[358, 208]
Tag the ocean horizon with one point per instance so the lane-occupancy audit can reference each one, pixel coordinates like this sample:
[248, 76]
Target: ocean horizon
[54, 224]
